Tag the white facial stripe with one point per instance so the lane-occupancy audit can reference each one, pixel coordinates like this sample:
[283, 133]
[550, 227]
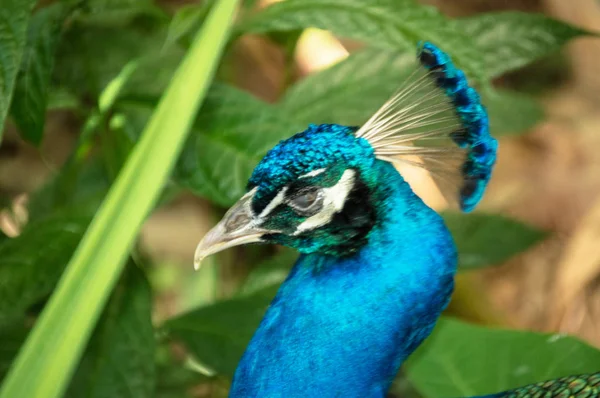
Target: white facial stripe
[247, 200]
[313, 173]
[249, 193]
[277, 200]
[333, 201]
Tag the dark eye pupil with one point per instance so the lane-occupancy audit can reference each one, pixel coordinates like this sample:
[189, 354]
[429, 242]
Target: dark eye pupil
[304, 201]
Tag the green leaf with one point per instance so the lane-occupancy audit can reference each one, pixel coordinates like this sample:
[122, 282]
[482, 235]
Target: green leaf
[512, 113]
[186, 20]
[31, 264]
[89, 58]
[113, 89]
[217, 335]
[58, 214]
[14, 17]
[509, 40]
[462, 360]
[270, 272]
[233, 132]
[60, 98]
[249, 4]
[486, 239]
[176, 381]
[391, 24]
[118, 12]
[28, 107]
[119, 359]
[83, 190]
[55, 345]
[350, 91]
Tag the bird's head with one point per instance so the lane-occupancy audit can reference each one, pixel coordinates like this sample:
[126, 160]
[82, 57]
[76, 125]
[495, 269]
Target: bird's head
[311, 192]
[315, 191]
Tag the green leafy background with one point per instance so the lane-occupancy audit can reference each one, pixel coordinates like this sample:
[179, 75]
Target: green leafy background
[108, 62]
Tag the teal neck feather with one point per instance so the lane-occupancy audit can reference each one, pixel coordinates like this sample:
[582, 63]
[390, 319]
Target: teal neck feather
[342, 326]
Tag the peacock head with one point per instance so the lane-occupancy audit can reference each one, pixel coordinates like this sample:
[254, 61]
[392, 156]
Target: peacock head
[311, 192]
[314, 191]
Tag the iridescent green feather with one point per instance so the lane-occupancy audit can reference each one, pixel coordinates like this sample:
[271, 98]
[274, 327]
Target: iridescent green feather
[582, 386]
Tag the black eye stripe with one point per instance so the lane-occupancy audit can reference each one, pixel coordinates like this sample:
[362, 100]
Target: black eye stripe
[261, 203]
[297, 188]
[300, 192]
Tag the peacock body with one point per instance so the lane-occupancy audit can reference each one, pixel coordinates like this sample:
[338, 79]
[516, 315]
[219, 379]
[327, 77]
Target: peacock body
[377, 264]
[403, 257]
[582, 386]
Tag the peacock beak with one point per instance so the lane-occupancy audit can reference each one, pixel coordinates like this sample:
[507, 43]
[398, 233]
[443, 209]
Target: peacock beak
[238, 227]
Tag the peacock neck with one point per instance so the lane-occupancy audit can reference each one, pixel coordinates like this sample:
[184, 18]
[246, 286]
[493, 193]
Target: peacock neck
[341, 327]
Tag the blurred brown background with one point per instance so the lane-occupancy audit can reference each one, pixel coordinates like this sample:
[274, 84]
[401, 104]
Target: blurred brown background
[548, 177]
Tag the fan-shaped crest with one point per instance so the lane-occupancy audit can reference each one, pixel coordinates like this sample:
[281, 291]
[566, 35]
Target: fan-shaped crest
[436, 121]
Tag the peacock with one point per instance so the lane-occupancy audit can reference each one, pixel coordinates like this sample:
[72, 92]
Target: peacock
[377, 264]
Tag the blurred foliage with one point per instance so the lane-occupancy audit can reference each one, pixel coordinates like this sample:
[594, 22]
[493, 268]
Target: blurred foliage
[110, 61]
[119, 360]
[14, 15]
[458, 352]
[479, 243]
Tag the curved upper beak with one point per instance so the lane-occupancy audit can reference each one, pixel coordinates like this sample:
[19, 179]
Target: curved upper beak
[238, 227]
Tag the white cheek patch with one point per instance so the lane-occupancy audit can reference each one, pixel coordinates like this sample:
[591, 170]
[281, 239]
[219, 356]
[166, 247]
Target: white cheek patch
[333, 201]
[313, 173]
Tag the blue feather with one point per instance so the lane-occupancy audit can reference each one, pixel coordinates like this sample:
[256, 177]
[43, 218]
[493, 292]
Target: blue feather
[377, 264]
[342, 327]
[438, 117]
[481, 146]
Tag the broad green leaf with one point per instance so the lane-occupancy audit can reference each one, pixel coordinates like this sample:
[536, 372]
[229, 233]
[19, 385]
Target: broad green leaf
[217, 335]
[14, 18]
[118, 12]
[55, 345]
[486, 239]
[174, 379]
[82, 189]
[232, 133]
[119, 359]
[350, 91]
[58, 214]
[391, 24]
[509, 40]
[116, 143]
[89, 58]
[31, 264]
[249, 4]
[61, 98]
[512, 113]
[270, 272]
[28, 107]
[463, 360]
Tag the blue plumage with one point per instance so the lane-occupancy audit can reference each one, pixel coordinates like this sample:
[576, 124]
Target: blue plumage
[319, 146]
[341, 327]
[474, 135]
[377, 264]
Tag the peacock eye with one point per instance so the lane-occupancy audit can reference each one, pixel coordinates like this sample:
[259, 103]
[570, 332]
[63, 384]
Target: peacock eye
[308, 201]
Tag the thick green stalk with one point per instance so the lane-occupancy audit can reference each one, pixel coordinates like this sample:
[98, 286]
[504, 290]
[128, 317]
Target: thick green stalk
[54, 347]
